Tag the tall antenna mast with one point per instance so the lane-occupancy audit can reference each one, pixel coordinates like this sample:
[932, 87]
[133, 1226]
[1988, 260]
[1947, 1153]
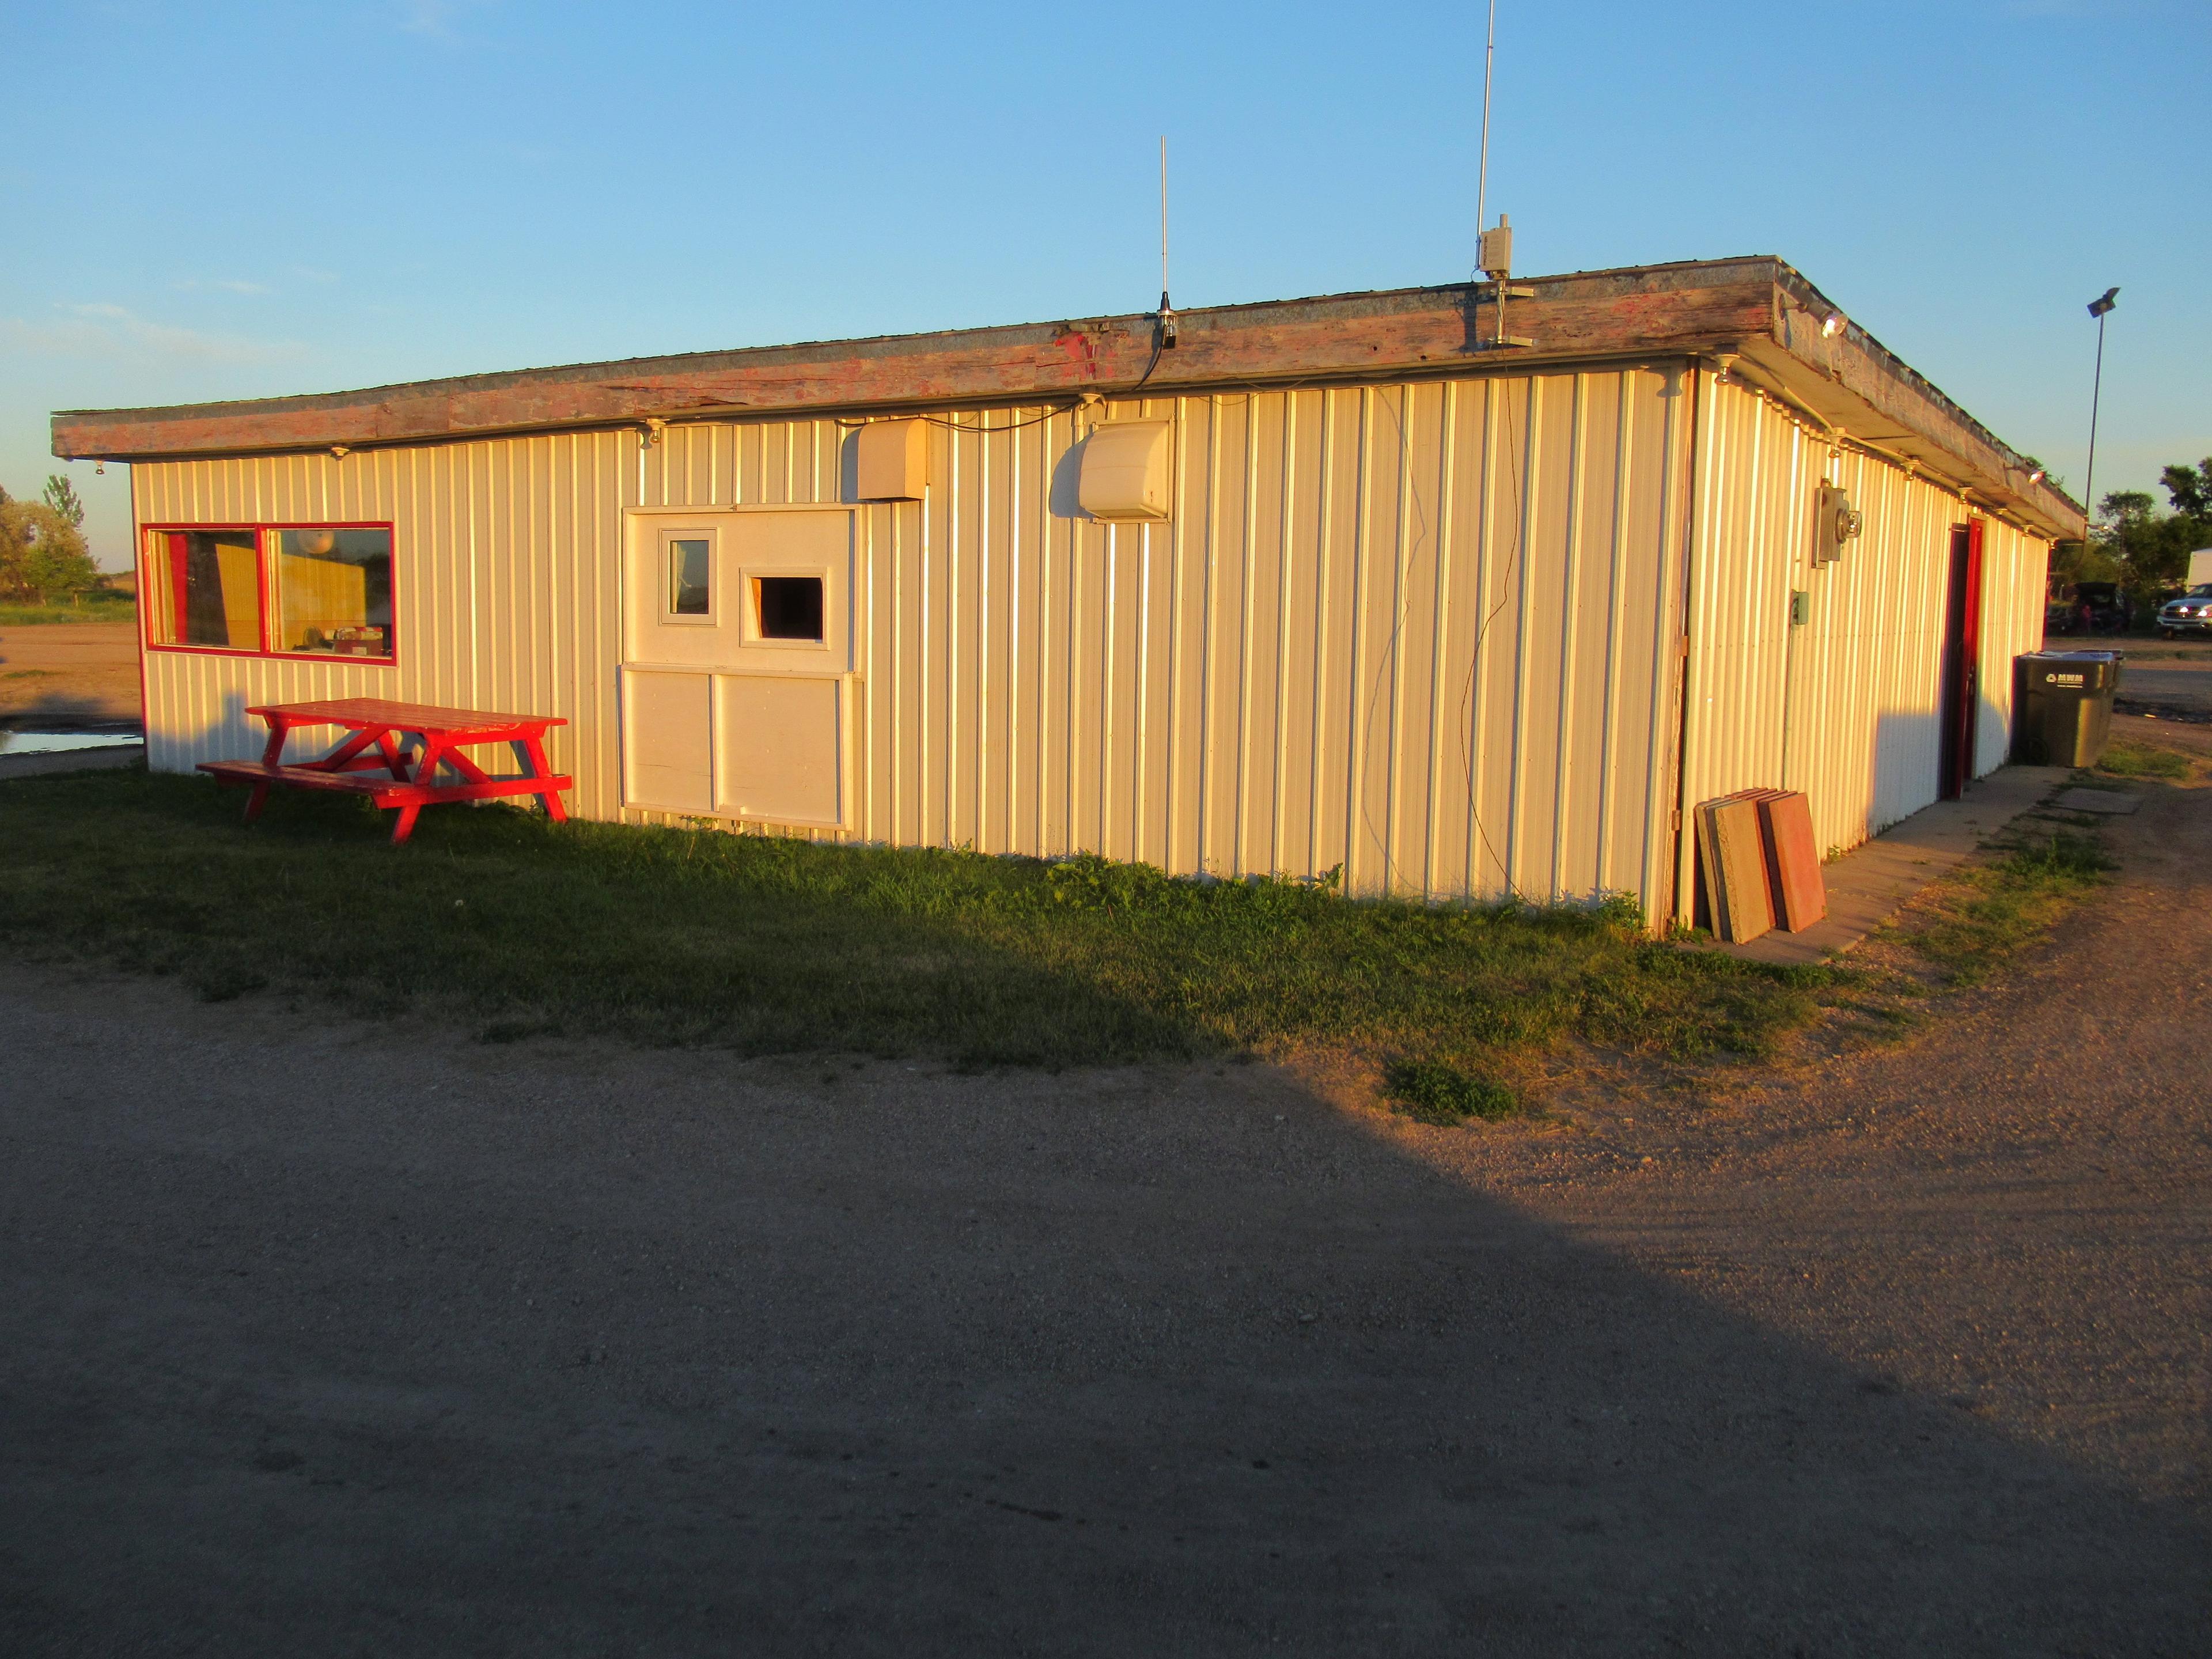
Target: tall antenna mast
[1167, 312]
[1482, 175]
[1493, 247]
[1164, 221]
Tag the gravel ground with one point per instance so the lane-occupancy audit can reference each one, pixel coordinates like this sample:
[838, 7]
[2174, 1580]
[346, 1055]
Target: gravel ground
[56, 676]
[363, 1339]
[2184, 683]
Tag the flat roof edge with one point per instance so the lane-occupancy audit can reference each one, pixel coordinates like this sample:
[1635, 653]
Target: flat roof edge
[1756, 305]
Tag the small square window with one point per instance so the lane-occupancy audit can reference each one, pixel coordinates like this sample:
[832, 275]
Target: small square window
[787, 607]
[690, 578]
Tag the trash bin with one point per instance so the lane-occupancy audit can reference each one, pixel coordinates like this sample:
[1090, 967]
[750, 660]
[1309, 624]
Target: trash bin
[2062, 706]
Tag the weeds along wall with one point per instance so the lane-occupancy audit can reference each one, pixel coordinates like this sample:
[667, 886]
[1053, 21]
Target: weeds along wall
[1426, 632]
[1846, 707]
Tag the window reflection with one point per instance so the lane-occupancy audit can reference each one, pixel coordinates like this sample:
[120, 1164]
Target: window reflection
[690, 579]
[215, 578]
[334, 592]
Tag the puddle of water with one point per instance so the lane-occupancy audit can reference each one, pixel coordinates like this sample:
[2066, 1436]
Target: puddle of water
[59, 743]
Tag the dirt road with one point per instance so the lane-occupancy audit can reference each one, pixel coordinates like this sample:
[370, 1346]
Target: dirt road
[423, 1346]
[57, 677]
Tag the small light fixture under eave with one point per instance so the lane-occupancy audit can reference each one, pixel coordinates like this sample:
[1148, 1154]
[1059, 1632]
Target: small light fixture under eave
[1833, 326]
[2036, 477]
[339, 451]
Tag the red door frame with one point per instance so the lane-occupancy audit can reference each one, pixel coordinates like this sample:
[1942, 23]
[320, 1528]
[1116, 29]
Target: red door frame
[1962, 661]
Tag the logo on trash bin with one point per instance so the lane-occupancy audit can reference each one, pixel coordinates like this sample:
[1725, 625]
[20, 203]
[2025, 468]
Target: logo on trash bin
[2066, 680]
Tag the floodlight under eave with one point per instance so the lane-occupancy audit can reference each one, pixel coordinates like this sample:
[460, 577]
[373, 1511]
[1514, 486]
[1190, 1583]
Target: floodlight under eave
[2104, 302]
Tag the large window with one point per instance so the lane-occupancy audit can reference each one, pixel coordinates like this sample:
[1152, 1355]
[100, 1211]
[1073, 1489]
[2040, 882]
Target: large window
[290, 590]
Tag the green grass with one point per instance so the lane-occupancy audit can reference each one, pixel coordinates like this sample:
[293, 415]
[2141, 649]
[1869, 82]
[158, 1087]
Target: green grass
[1988, 913]
[2141, 760]
[494, 917]
[97, 608]
[1434, 1091]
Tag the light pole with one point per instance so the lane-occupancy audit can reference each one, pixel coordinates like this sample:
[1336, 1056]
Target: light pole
[2100, 308]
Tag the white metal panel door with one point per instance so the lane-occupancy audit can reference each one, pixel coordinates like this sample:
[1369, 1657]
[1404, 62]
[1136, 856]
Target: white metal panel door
[780, 749]
[668, 741]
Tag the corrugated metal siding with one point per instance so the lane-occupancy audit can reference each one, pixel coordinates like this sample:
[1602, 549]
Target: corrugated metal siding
[505, 560]
[1422, 631]
[1846, 707]
[1419, 631]
[2016, 567]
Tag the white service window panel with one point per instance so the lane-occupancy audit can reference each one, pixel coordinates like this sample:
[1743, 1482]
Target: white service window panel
[745, 590]
[782, 748]
[668, 755]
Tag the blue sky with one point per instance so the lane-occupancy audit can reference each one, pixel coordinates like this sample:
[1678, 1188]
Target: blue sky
[216, 201]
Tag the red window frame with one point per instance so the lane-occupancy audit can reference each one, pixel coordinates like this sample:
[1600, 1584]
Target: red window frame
[174, 601]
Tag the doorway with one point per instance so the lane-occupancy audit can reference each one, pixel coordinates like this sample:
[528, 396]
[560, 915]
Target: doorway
[1962, 661]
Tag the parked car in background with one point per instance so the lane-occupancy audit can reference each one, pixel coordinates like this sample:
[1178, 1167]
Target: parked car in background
[2091, 608]
[2190, 614]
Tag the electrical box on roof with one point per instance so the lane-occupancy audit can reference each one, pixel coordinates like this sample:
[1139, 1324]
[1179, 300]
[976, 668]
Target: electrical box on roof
[1127, 470]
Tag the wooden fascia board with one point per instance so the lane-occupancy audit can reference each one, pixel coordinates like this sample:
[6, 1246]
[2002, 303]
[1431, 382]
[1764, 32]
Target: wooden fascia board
[1816, 367]
[1661, 312]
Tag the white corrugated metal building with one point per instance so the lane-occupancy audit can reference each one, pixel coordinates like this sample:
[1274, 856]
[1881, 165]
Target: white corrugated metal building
[1461, 619]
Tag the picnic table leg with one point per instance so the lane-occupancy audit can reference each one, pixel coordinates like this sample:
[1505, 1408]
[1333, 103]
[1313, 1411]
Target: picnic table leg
[425, 769]
[538, 768]
[272, 753]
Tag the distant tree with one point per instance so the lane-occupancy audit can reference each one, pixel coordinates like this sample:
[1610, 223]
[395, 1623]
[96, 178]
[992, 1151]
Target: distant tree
[61, 495]
[2190, 490]
[2076, 562]
[2148, 550]
[42, 555]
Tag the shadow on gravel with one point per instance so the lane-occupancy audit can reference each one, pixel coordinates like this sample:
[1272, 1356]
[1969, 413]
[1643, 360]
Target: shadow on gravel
[556, 1348]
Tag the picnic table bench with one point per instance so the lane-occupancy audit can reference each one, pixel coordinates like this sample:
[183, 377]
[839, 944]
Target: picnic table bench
[375, 760]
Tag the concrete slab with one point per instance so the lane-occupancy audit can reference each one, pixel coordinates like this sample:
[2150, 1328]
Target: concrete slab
[1869, 884]
[72, 760]
[2110, 801]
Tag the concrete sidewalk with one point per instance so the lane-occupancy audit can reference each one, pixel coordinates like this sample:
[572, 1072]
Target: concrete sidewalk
[72, 760]
[1868, 884]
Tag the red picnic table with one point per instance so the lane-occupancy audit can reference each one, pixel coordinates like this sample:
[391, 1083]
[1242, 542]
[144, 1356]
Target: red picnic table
[375, 762]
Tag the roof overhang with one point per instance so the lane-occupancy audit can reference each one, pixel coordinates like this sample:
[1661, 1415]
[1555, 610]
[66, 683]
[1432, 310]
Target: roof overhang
[1756, 312]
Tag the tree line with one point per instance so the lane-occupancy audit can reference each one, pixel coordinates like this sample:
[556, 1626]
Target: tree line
[2143, 547]
[42, 555]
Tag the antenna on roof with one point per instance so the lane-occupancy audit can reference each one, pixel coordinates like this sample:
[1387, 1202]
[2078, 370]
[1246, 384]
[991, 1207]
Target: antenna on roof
[1482, 174]
[1167, 312]
[1493, 255]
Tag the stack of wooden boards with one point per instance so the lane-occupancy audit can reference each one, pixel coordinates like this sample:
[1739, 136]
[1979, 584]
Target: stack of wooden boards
[1761, 866]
